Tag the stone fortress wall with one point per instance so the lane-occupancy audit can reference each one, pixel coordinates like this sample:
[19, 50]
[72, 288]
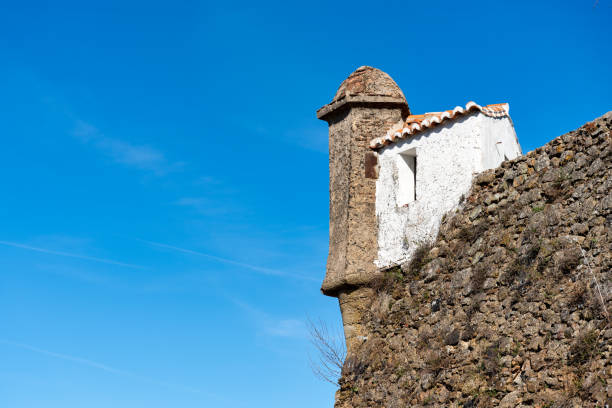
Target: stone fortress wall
[510, 306]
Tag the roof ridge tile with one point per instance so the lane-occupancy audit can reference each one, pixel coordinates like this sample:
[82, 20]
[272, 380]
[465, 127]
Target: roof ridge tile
[415, 123]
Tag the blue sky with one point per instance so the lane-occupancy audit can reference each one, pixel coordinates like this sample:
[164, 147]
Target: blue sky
[165, 199]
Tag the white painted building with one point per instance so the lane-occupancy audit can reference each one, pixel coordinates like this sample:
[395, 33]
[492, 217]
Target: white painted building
[426, 164]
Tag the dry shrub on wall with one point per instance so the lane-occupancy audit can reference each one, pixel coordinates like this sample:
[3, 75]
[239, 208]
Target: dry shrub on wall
[585, 347]
[380, 307]
[568, 260]
[478, 278]
[419, 259]
[470, 233]
[385, 282]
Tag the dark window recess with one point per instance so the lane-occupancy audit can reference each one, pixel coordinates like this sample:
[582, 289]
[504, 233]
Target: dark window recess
[371, 165]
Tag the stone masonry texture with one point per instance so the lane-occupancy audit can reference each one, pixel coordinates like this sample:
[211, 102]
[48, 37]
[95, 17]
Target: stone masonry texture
[510, 306]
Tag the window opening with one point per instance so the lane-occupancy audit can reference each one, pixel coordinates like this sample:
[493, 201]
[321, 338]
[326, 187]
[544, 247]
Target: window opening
[406, 177]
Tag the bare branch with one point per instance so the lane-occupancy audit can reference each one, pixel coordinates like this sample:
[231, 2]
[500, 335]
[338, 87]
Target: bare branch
[331, 349]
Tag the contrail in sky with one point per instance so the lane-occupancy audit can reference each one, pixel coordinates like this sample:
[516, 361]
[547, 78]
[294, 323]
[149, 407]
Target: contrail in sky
[70, 255]
[95, 364]
[266, 271]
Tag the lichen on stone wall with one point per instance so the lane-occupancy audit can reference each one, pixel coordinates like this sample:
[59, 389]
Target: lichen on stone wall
[511, 305]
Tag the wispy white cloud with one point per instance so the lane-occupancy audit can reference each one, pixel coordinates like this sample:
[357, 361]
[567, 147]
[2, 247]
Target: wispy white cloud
[139, 156]
[97, 365]
[70, 255]
[143, 157]
[287, 328]
[272, 326]
[255, 268]
[205, 206]
[81, 274]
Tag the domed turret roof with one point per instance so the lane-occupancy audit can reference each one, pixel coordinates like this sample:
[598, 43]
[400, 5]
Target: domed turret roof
[368, 81]
[366, 86]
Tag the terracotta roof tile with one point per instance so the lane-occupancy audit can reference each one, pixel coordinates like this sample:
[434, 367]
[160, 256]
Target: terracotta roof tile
[418, 123]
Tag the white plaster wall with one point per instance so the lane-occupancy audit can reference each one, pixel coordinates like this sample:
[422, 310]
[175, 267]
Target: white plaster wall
[498, 141]
[448, 156]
